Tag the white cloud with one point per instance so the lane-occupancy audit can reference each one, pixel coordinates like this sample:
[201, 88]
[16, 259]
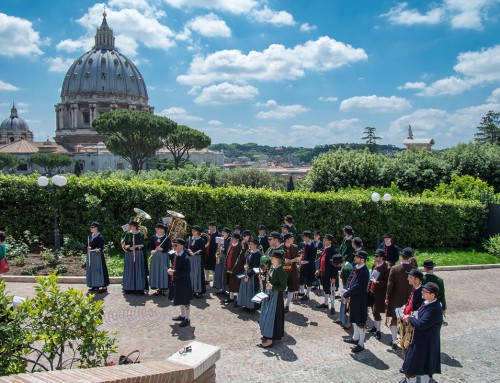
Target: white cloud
[142, 5]
[275, 63]
[473, 68]
[268, 103]
[179, 114]
[281, 112]
[306, 27]
[18, 38]
[59, 64]
[495, 96]
[226, 93]
[400, 14]
[345, 124]
[70, 46]
[185, 35]
[336, 131]
[329, 99]
[231, 6]
[422, 120]
[412, 85]
[22, 107]
[214, 123]
[375, 104]
[8, 87]
[467, 14]
[266, 15]
[210, 25]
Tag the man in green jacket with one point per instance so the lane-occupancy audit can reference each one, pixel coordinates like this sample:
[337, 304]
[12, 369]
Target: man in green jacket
[429, 276]
[346, 249]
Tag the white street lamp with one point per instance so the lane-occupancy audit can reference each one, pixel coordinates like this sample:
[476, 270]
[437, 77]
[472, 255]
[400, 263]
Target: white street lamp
[376, 198]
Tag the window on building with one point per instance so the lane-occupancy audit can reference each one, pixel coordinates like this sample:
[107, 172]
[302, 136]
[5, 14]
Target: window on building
[22, 168]
[120, 166]
[11, 139]
[86, 117]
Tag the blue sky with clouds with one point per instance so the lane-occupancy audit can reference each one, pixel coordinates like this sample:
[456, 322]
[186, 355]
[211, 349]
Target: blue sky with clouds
[294, 72]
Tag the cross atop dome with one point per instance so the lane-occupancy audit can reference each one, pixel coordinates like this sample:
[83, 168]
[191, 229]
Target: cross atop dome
[104, 38]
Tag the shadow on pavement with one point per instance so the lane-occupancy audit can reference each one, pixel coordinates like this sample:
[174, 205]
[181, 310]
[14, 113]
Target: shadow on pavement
[183, 333]
[297, 318]
[281, 351]
[449, 360]
[136, 299]
[367, 357]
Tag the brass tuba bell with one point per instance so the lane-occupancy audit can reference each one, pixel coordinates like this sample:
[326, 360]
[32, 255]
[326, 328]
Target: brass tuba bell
[176, 224]
[141, 215]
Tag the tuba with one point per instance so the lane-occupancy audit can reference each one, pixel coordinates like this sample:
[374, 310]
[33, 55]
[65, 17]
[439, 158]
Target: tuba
[176, 225]
[141, 215]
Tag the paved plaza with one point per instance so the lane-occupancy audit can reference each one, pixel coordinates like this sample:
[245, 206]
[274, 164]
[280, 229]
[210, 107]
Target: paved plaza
[312, 350]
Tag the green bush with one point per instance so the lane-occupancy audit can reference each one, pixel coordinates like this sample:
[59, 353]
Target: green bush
[29, 270]
[50, 257]
[61, 269]
[492, 245]
[415, 221]
[19, 260]
[16, 248]
[461, 187]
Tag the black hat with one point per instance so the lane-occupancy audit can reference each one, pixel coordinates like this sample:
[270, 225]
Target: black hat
[337, 258]
[180, 241]
[387, 236]
[212, 223]
[237, 227]
[254, 240]
[275, 234]
[348, 229]
[329, 237]
[236, 235]
[277, 254]
[95, 224]
[380, 253]
[227, 230]
[288, 218]
[317, 232]
[246, 233]
[261, 227]
[407, 252]
[287, 235]
[428, 264]
[285, 226]
[160, 226]
[432, 288]
[134, 223]
[416, 273]
[196, 227]
[307, 233]
[357, 241]
[361, 254]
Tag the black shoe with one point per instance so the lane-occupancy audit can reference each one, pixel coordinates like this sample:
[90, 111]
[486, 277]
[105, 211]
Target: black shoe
[301, 294]
[304, 298]
[220, 292]
[287, 309]
[236, 304]
[179, 318]
[357, 349]
[401, 371]
[184, 323]
[373, 329]
[350, 340]
[394, 346]
[262, 346]
[207, 282]
[322, 306]
[378, 335]
[333, 312]
[228, 300]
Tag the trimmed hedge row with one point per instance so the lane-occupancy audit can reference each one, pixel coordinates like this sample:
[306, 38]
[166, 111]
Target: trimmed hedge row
[416, 221]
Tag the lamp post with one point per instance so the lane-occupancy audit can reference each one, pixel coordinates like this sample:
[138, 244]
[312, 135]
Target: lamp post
[376, 198]
[56, 181]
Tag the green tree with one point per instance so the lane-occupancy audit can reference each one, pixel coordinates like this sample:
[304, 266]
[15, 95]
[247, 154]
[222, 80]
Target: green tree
[77, 169]
[461, 187]
[290, 186]
[370, 138]
[134, 135]
[183, 139]
[8, 161]
[51, 162]
[489, 129]
[55, 329]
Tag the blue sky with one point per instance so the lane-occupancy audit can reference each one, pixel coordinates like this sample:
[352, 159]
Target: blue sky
[276, 72]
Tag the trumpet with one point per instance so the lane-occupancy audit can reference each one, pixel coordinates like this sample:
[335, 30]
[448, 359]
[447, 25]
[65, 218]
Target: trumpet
[217, 257]
[318, 255]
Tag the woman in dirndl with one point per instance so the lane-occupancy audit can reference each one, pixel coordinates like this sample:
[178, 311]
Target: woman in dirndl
[134, 271]
[158, 274]
[220, 272]
[250, 285]
[96, 270]
[272, 313]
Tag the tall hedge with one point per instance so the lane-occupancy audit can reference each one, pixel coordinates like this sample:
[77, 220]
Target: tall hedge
[416, 222]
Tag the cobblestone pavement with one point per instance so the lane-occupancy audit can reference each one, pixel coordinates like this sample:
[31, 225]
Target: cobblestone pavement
[312, 349]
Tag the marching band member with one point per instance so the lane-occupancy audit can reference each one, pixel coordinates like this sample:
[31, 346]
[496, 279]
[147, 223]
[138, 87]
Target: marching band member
[234, 262]
[245, 238]
[284, 230]
[346, 249]
[263, 237]
[345, 272]
[357, 244]
[180, 275]
[390, 249]
[97, 271]
[160, 245]
[134, 271]
[318, 246]
[289, 222]
[429, 276]
[307, 270]
[291, 267]
[219, 273]
[415, 300]
[274, 240]
[237, 229]
[325, 272]
[357, 294]
[196, 251]
[424, 354]
[211, 250]
[272, 314]
[250, 284]
[398, 291]
[377, 290]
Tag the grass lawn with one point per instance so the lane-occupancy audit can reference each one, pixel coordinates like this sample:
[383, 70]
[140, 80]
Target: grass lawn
[441, 257]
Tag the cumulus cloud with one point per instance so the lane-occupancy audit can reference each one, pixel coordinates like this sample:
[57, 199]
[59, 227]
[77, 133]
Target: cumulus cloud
[8, 87]
[266, 15]
[412, 85]
[275, 63]
[306, 27]
[495, 96]
[231, 6]
[329, 99]
[400, 14]
[473, 68]
[210, 25]
[179, 114]
[70, 46]
[335, 131]
[375, 104]
[281, 112]
[59, 64]
[18, 38]
[214, 123]
[226, 93]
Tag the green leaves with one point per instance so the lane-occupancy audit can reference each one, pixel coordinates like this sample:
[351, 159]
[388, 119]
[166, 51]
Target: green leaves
[51, 162]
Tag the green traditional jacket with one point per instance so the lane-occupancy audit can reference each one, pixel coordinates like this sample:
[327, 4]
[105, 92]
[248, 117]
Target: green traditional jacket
[438, 281]
[346, 250]
[279, 279]
[134, 239]
[345, 272]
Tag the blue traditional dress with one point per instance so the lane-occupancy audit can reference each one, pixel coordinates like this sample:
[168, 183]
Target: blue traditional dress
[97, 271]
[134, 271]
[357, 292]
[219, 274]
[197, 245]
[272, 313]
[249, 289]
[158, 273]
[181, 292]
